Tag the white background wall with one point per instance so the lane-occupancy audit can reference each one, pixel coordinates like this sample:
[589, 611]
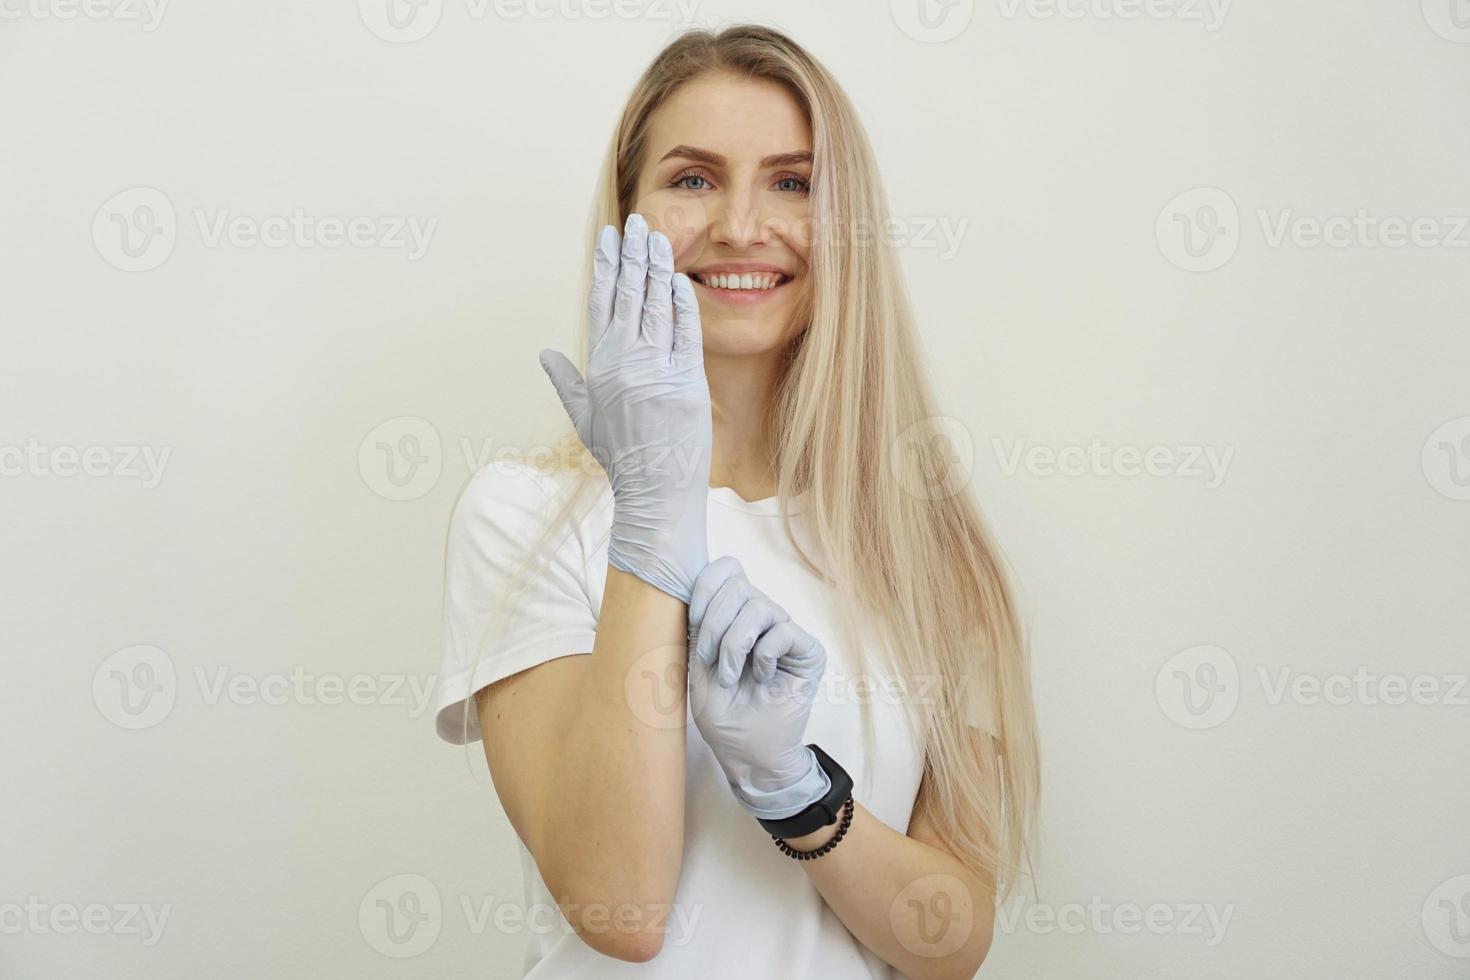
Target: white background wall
[269, 823]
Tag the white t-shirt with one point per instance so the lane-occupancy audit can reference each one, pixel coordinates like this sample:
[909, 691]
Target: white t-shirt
[742, 909]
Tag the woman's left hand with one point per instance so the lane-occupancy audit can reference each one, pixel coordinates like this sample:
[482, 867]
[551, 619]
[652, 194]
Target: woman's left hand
[753, 676]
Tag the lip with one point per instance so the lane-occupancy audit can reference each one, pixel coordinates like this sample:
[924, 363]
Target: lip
[739, 297]
[737, 268]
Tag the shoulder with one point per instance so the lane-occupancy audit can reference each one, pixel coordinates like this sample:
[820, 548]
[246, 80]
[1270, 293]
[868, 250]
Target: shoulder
[512, 486]
[516, 497]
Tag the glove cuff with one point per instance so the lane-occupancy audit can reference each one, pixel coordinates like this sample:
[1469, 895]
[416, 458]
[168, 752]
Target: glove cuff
[777, 804]
[669, 562]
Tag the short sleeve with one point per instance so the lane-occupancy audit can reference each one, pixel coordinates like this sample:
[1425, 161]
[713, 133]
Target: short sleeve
[500, 517]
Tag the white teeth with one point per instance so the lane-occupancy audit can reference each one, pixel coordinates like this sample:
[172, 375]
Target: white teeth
[748, 280]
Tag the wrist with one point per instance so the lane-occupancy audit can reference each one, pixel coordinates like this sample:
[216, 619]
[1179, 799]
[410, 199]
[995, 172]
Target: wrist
[666, 561]
[667, 558]
[815, 839]
[769, 794]
[822, 812]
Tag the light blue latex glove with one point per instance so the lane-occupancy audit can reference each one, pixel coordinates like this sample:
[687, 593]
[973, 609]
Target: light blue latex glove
[753, 675]
[644, 409]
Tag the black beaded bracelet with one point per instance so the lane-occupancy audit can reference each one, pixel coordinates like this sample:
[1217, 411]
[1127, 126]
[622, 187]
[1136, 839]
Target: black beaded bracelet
[789, 851]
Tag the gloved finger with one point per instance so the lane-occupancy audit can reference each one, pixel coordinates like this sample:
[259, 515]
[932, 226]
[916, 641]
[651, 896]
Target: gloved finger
[722, 610]
[708, 582]
[769, 649]
[806, 658]
[688, 333]
[604, 280]
[757, 615]
[632, 281]
[570, 387]
[658, 298]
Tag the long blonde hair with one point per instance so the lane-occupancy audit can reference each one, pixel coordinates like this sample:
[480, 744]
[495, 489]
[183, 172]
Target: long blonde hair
[896, 539]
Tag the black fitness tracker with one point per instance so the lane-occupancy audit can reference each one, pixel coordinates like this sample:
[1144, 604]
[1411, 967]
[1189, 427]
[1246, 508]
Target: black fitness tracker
[820, 814]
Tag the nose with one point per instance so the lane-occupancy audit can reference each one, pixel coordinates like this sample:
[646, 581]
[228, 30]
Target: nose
[737, 221]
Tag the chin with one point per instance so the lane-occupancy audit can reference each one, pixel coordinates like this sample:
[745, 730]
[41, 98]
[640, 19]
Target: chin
[742, 338]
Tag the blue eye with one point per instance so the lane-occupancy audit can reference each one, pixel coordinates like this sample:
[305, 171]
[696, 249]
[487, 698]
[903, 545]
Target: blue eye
[682, 181]
[802, 184]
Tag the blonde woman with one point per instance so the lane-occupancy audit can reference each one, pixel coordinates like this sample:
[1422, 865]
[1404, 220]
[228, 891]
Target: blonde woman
[746, 669]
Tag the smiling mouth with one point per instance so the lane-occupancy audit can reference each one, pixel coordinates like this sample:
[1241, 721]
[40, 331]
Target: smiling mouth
[755, 282]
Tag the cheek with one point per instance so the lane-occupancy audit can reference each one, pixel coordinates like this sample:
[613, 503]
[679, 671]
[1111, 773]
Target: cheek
[797, 231]
[682, 219]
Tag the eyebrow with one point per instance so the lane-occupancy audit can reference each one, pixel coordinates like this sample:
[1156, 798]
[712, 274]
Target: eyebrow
[716, 160]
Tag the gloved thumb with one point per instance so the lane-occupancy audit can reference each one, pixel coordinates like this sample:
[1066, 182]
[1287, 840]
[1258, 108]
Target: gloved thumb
[570, 387]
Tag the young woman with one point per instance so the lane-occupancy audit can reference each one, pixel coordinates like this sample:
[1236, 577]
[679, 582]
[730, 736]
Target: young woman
[846, 677]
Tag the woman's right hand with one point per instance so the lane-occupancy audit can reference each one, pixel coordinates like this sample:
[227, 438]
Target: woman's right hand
[644, 409]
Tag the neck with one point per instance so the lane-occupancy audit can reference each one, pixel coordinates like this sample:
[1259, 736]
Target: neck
[741, 390]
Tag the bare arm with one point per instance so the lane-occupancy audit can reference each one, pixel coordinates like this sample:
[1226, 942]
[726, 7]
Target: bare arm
[591, 780]
[588, 762]
[906, 898]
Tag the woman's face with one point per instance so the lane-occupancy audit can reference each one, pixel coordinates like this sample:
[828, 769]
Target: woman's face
[725, 178]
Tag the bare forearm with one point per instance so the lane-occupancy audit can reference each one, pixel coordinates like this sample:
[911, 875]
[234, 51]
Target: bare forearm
[616, 825]
[914, 905]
